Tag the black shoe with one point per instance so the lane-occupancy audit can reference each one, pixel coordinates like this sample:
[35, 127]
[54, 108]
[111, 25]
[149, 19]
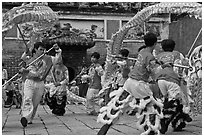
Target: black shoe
[24, 122]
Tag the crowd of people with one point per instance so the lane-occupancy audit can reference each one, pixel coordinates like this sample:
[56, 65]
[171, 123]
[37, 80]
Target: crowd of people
[150, 77]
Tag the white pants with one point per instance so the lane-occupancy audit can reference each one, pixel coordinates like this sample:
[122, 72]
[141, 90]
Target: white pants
[139, 89]
[32, 94]
[90, 104]
[169, 89]
[172, 91]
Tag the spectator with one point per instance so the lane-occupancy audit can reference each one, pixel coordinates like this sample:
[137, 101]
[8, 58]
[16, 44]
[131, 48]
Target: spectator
[10, 89]
[4, 78]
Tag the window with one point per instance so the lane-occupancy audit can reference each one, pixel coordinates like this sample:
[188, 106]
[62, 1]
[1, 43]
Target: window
[112, 27]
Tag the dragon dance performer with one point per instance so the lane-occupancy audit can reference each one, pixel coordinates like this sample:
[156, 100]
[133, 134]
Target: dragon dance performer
[95, 73]
[56, 97]
[124, 68]
[169, 84]
[33, 87]
[136, 93]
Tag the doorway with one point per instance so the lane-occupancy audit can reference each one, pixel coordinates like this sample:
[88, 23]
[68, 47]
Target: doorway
[71, 73]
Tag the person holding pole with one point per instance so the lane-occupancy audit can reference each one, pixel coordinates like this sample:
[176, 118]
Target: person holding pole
[56, 97]
[95, 73]
[135, 87]
[34, 82]
[124, 68]
[171, 87]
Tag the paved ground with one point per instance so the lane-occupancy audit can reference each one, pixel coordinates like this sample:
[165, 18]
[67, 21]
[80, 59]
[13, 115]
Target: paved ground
[77, 122]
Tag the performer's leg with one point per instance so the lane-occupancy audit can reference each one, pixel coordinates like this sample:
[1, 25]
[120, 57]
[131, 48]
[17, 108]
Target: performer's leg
[179, 122]
[137, 88]
[156, 90]
[27, 104]
[141, 90]
[37, 96]
[175, 92]
[33, 114]
[90, 102]
[163, 87]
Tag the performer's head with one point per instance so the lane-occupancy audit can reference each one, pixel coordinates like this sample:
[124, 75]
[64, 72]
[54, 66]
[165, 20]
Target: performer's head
[150, 40]
[94, 57]
[168, 45]
[39, 48]
[124, 52]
